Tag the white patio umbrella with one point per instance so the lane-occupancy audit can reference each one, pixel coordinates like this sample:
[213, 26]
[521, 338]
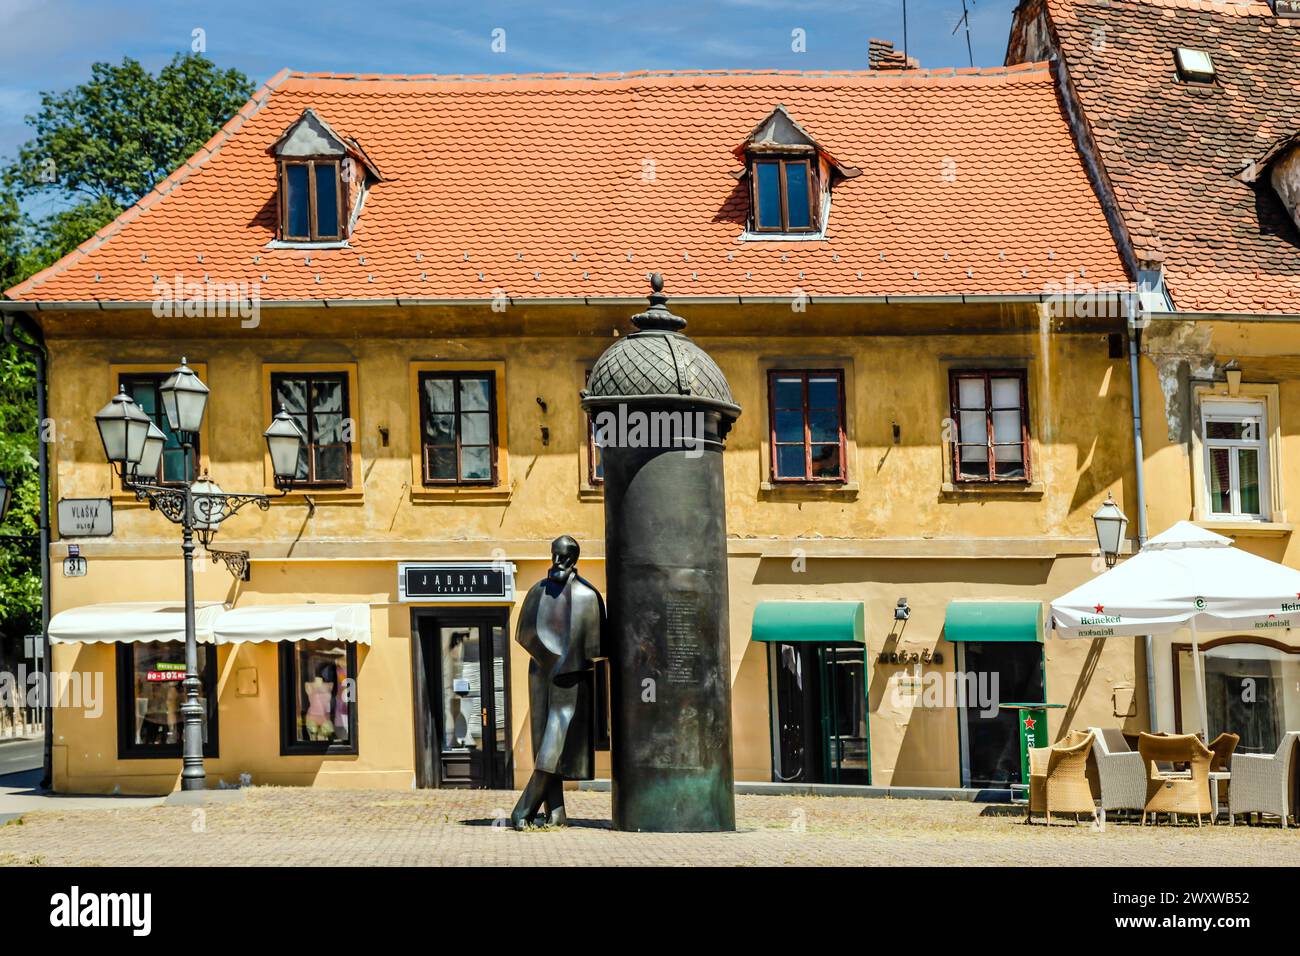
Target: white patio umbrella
[1183, 577]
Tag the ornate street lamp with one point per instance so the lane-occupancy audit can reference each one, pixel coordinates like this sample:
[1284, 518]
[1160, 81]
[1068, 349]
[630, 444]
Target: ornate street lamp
[1111, 523]
[134, 444]
[184, 399]
[123, 428]
[285, 442]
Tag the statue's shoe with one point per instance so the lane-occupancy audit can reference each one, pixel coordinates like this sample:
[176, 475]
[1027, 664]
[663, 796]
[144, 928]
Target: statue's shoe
[557, 818]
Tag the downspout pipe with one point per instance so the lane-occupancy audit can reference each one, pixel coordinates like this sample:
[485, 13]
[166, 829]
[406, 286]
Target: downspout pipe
[34, 345]
[1135, 395]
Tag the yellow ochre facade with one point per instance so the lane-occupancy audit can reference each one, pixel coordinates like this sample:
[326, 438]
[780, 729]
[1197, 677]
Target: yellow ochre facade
[898, 526]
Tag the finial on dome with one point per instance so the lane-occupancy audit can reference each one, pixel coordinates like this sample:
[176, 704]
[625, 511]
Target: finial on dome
[657, 317]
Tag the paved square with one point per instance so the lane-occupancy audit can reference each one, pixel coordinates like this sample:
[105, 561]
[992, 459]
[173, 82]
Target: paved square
[283, 827]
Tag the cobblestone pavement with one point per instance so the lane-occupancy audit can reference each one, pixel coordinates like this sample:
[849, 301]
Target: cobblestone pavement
[280, 826]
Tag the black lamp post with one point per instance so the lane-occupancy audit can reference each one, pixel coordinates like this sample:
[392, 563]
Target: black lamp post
[134, 445]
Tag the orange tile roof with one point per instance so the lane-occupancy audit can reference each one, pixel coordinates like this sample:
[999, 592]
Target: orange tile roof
[570, 186]
[1170, 150]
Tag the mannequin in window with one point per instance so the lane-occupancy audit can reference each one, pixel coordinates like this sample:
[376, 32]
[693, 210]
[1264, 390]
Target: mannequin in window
[320, 703]
[561, 624]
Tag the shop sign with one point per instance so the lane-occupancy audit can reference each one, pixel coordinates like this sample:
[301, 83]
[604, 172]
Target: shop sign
[85, 517]
[165, 672]
[470, 581]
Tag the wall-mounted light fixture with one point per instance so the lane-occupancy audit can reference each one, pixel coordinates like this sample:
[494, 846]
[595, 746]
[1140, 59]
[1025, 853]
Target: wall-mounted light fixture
[1232, 373]
[901, 610]
[898, 432]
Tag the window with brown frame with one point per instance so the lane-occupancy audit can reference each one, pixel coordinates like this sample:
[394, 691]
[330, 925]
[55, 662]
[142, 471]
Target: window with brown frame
[807, 425]
[318, 402]
[595, 464]
[783, 194]
[145, 390]
[311, 200]
[990, 409]
[458, 427]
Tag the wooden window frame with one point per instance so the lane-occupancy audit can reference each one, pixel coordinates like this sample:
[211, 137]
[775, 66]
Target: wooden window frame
[456, 375]
[289, 744]
[783, 183]
[127, 748]
[310, 375]
[126, 378]
[987, 375]
[313, 223]
[806, 478]
[593, 479]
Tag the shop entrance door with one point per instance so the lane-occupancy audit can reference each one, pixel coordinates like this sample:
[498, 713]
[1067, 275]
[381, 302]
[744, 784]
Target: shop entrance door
[996, 671]
[821, 713]
[464, 665]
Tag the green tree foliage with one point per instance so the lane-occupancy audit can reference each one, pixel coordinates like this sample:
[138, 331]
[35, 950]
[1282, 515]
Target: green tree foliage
[94, 150]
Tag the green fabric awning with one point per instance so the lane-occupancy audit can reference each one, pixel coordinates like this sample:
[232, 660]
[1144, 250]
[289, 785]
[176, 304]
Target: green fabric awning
[820, 622]
[994, 621]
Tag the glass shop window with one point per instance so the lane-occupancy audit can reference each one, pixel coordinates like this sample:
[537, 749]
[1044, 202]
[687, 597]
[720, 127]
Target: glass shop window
[151, 690]
[318, 697]
[1250, 689]
[458, 427]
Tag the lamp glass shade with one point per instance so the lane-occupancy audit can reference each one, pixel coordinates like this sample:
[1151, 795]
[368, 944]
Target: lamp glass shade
[154, 443]
[209, 509]
[5, 495]
[184, 399]
[285, 441]
[123, 428]
[1111, 523]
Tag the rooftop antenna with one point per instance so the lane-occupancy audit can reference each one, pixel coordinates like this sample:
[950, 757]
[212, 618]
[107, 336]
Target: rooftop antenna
[964, 21]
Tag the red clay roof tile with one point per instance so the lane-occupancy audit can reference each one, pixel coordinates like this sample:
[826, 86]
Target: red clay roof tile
[558, 186]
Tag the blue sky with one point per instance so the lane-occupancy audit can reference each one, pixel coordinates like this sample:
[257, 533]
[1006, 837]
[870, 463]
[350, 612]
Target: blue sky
[50, 44]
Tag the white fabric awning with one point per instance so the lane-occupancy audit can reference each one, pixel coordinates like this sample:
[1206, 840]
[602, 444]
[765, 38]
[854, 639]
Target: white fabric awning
[133, 622]
[1186, 575]
[295, 622]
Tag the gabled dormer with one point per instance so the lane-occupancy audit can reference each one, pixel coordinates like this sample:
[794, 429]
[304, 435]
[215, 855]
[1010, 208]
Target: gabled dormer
[790, 178]
[322, 179]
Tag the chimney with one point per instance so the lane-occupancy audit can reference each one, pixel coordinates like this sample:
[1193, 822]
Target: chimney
[882, 56]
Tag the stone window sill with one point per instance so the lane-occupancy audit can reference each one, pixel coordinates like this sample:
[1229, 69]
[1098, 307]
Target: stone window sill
[1260, 529]
[992, 489]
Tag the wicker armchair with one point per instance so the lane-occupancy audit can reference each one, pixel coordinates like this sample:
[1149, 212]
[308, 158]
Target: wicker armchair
[1223, 747]
[1261, 783]
[1183, 793]
[1058, 778]
[1120, 770]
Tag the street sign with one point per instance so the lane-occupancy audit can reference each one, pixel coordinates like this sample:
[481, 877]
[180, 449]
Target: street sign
[464, 581]
[85, 517]
[74, 567]
[33, 647]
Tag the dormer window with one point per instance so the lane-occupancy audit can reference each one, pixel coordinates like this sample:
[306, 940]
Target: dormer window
[312, 195]
[783, 195]
[790, 178]
[323, 178]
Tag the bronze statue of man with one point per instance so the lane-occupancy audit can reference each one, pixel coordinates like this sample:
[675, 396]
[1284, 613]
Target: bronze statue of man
[561, 625]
